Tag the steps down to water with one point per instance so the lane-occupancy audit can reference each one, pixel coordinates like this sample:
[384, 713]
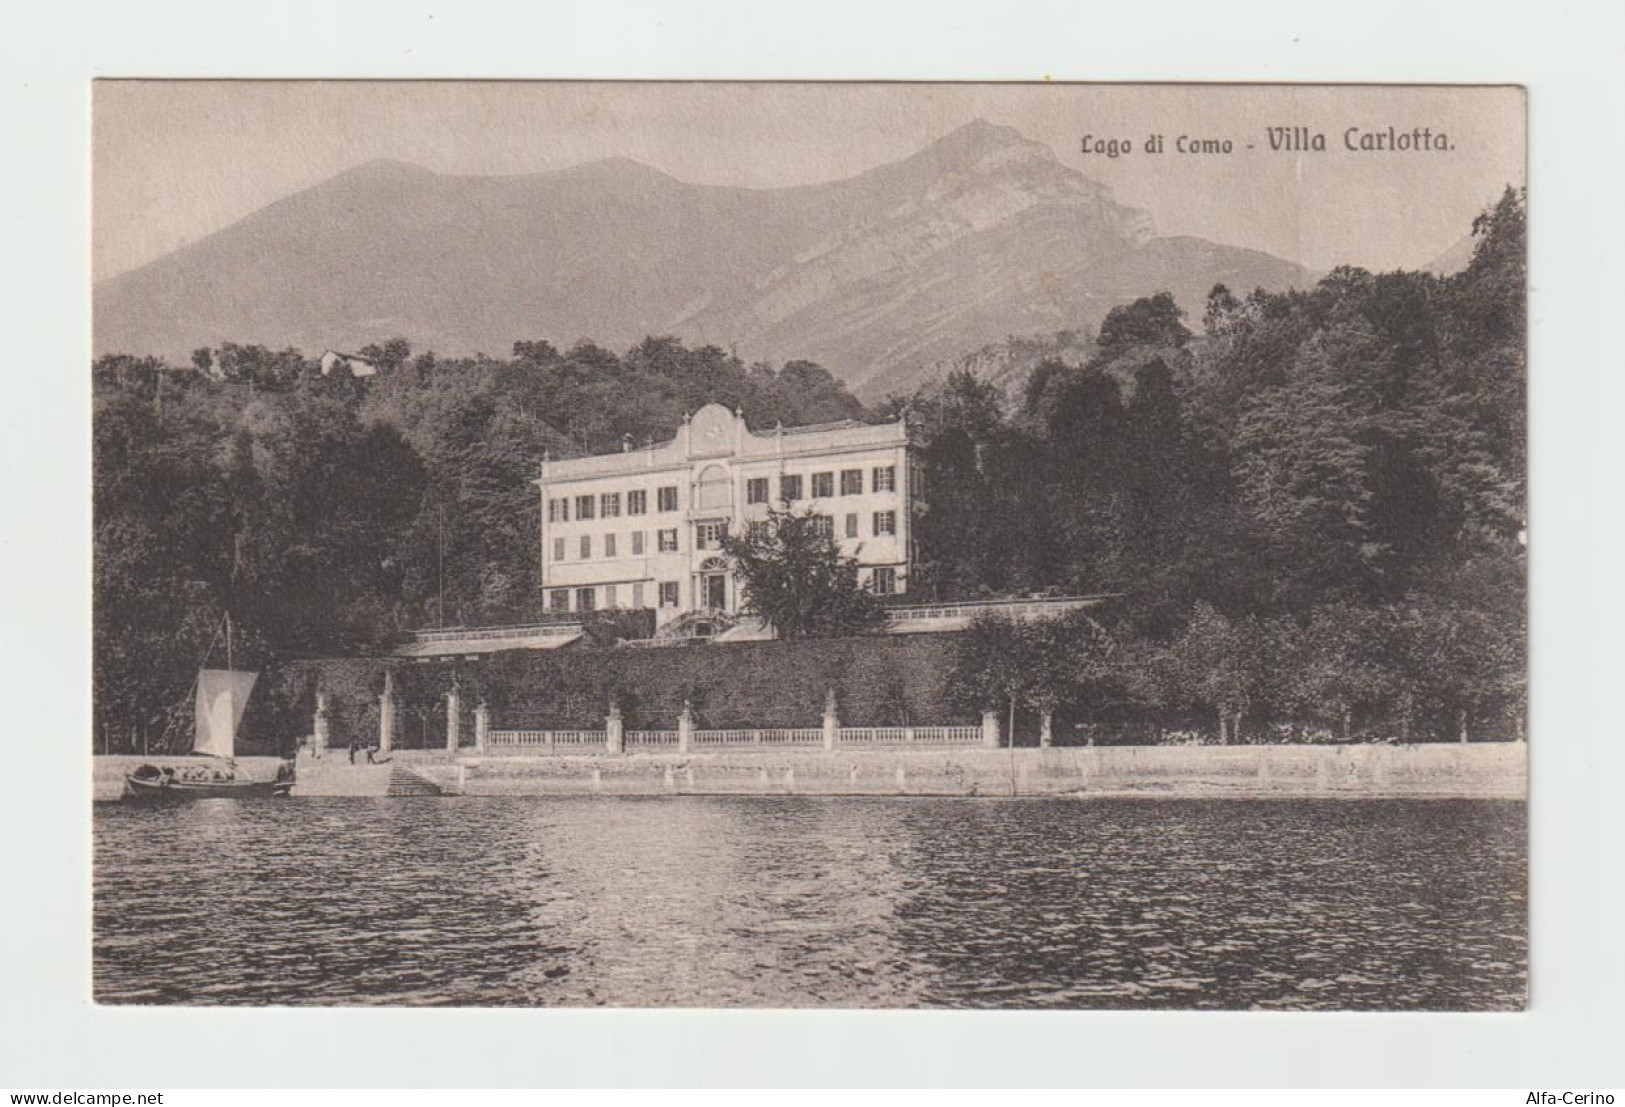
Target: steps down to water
[406, 782]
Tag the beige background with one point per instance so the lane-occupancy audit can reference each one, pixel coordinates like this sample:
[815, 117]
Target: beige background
[55, 1039]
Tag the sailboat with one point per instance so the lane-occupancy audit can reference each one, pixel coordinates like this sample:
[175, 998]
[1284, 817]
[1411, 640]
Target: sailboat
[221, 696]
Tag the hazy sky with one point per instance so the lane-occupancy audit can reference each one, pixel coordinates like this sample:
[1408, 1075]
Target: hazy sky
[176, 160]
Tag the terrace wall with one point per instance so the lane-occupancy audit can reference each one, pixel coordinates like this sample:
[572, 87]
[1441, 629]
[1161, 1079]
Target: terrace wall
[879, 681]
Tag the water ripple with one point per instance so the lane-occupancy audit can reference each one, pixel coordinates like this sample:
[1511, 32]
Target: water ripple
[787, 901]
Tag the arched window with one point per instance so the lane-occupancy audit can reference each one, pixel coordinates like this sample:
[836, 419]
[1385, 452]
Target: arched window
[715, 490]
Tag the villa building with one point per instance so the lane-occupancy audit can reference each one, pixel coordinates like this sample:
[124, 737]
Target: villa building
[643, 528]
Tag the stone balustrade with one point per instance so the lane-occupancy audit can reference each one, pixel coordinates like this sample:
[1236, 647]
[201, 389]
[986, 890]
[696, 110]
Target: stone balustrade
[586, 741]
[910, 736]
[571, 741]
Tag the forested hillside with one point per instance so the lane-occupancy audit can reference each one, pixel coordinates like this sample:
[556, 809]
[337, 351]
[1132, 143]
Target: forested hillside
[1312, 502]
[330, 514]
[1340, 469]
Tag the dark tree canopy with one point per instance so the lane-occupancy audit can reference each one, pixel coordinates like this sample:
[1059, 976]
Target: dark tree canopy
[795, 576]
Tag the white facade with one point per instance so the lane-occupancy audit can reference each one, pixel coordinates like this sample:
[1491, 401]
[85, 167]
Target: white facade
[641, 528]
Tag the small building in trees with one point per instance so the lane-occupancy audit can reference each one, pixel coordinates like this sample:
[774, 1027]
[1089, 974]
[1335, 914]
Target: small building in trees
[358, 365]
[643, 528]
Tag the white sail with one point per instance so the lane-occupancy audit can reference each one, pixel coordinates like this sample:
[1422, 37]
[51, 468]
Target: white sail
[221, 697]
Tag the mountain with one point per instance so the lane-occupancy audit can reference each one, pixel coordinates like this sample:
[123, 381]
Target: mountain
[1009, 363]
[1453, 260]
[981, 236]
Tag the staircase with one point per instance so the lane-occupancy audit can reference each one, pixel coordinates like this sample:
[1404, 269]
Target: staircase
[407, 782]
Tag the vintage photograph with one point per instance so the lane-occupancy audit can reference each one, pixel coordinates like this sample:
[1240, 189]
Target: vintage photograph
[851, 545]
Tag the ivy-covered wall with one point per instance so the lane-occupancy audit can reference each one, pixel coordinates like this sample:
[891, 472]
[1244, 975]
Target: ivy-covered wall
[878, 681]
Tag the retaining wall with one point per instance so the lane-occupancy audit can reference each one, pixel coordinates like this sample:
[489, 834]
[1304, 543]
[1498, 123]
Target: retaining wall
[1479, 770]
[1482, 770]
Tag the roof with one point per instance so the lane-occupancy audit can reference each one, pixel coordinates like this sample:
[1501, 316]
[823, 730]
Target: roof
[359, 366]
[815, 428]
[716, 432]
[945, 617]
[468, 641]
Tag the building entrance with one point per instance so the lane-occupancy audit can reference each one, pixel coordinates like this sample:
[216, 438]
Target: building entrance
[716, 591]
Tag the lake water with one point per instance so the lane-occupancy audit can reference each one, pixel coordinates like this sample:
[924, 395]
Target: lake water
[788, 901]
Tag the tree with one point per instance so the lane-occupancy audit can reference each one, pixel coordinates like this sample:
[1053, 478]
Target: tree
[1219, 664]
[795, 576]
[1149, 321]
[390, 356]
[1043, 665]
[1330, 668]
[991, 667]
[1066, 662]
[1303, 455]
[1222, 309]
[1464, 662]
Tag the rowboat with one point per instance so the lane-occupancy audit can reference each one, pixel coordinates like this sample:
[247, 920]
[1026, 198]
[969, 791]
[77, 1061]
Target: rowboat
[201, 781]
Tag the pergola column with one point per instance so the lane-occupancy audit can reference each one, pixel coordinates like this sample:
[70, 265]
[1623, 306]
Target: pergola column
[832, 721]
[320, 727]
[386, 714]
[685, 729]
[990, 730]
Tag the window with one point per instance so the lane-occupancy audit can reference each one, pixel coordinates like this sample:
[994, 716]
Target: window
[852, 525]
[637, 595]
[559, 599]
[586, 546]
[637, 503]
[789, 489]
[884, 582]
[584, 507]
[760, 530]
[558, 549]
[756, 490]
[609, 505]
[611, 596]
[823, 485]
[710, 535]
[609, 548]
[558, 510]
[824, 526]
[885, 478]
[668, 498]
[885, 523]
[584, 599]
[668, 540]
[714, 489]
[668, 593]
[851, 482]
[637, 543]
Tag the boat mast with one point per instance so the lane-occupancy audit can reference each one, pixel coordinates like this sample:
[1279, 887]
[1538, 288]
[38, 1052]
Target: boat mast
[231, 687]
